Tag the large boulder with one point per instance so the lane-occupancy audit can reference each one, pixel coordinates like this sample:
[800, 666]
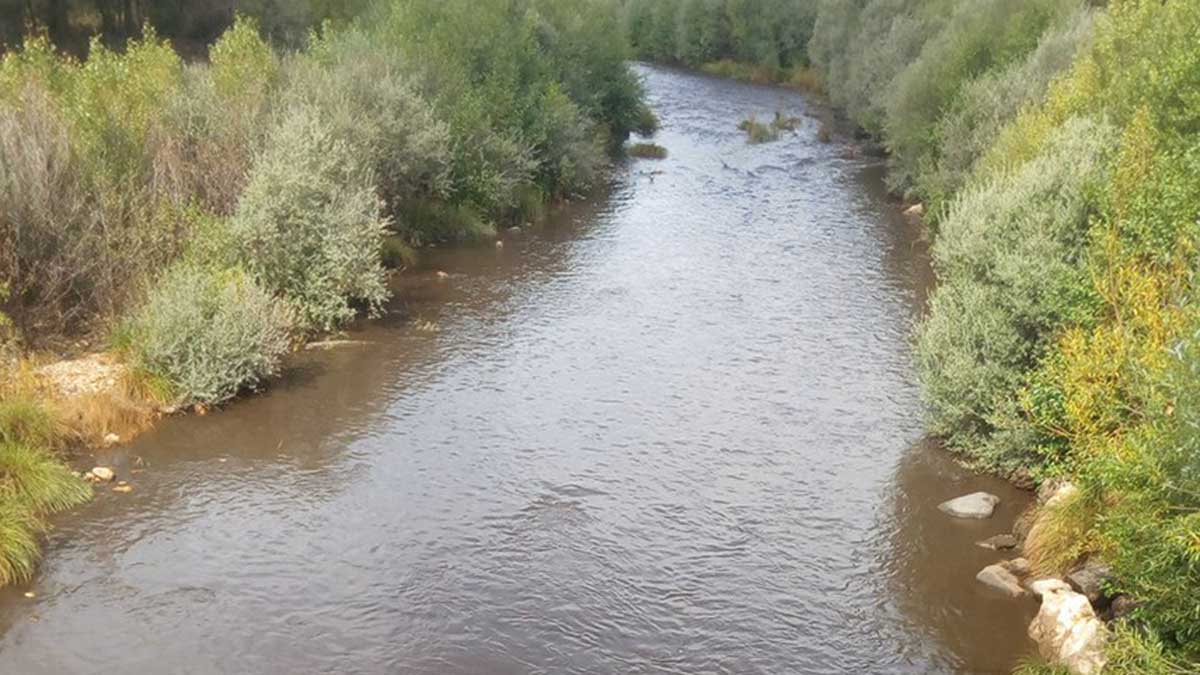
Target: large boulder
[975, 505]
[1067, 631]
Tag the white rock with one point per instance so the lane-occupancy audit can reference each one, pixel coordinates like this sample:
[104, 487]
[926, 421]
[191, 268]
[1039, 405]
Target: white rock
[103, 473]
[1067, 631]
[975, 505]
[1043, 585]
[999, 578]
[111, 439]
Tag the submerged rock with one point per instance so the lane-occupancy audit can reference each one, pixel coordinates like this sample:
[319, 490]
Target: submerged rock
[915, 213]
[103, 473]
[976, 505]
[999, 542]
[999, 578]
[325, 345]
[1067, 631]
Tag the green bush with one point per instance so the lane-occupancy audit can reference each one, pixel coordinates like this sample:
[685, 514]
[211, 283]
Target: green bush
[209, 334]
[1010, 260]
[211, 130]
[773, 34]
[980, 35]
[988, 103]
[890, 35]
[309, 225]
[363, 94]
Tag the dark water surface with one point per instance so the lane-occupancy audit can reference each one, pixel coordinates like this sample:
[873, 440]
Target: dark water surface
[677, 431]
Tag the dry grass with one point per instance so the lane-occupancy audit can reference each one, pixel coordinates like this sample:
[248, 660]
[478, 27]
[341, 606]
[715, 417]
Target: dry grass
[1061, 534]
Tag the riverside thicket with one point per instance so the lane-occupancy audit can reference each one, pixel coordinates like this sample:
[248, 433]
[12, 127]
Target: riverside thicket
[209, 214]
[1054, 144]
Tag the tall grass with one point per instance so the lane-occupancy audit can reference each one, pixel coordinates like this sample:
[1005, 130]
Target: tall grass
[34, 483]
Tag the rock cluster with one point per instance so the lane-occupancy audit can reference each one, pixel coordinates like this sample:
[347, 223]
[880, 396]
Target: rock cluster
[1069, 628]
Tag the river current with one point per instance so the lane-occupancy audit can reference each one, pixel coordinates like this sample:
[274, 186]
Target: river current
[675, 430]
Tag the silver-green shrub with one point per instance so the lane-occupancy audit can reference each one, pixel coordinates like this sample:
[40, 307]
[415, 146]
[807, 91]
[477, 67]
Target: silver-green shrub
[978, 36]
[890, 35]
[309, 225]
[990, 101]
[49, 235]
[363, 91]
[1010, 258]
[208, 333]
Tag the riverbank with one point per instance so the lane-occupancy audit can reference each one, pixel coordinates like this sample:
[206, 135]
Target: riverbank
[1055, 164]
[538, 435]
[204, 220]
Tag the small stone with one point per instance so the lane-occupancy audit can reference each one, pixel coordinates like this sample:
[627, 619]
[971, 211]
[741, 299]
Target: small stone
[30, 594]
[1000, 579]
[111, 439]
[499, 243]
[1122, 606]
[1089, 580]
[123, 488]
[1000, 542]
[1018, 566]
[1023, 479]
[103, 473]
[442, 275]
[976, 505]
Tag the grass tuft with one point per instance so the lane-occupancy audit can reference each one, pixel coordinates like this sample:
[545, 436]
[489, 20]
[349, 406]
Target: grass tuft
[757, 132]
[647, 151]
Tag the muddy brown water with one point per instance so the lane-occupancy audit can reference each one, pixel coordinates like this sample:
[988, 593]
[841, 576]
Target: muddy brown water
[676, 430]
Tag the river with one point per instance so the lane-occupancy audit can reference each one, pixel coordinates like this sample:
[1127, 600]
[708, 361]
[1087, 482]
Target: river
[675, 430]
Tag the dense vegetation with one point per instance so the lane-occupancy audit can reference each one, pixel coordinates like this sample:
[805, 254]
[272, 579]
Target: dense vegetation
[218, 212]
[190, 25]
[759, 40]
[1055, 144]
[211, 214]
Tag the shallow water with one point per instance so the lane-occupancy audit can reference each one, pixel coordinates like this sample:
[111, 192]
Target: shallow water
[676, 430]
